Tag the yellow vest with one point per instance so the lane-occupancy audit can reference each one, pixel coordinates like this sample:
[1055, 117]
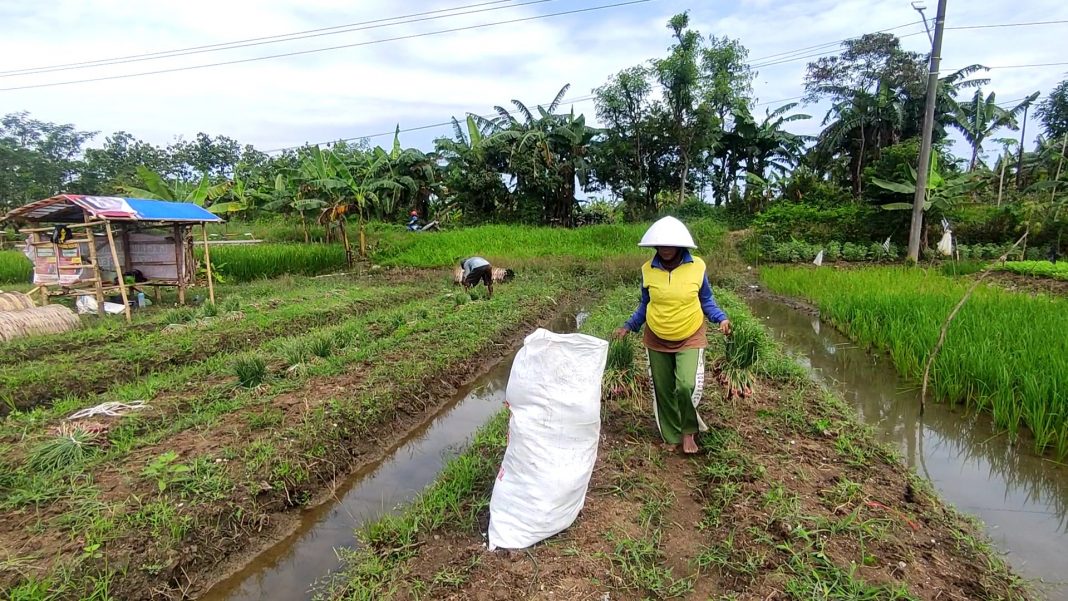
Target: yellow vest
[674, 312]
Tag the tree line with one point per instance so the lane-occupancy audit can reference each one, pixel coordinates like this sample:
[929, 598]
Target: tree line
[677, 129]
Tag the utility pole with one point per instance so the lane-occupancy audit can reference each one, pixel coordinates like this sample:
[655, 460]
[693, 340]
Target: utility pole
[928, 135]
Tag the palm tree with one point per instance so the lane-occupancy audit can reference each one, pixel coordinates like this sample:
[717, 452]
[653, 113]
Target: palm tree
[979, 118]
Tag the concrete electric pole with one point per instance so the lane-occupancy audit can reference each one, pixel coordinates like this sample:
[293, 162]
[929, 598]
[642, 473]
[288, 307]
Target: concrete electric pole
[928, 133]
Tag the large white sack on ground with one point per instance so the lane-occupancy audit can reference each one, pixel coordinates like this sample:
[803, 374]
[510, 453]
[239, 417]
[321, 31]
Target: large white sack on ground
[554, 393]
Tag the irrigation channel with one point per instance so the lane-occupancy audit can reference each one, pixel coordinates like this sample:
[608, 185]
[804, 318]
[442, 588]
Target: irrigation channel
[289, 569]
[1021, 497]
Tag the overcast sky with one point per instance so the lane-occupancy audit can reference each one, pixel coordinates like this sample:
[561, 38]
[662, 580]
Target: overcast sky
[369, 89]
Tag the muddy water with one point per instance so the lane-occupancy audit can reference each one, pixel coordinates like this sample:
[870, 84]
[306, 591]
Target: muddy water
[1022, 498]
[288, 570]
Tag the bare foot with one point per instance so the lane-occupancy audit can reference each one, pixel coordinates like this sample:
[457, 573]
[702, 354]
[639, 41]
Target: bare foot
[689, 445]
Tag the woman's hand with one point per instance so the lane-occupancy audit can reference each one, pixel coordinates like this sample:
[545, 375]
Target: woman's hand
[621, 333]
[725, 327]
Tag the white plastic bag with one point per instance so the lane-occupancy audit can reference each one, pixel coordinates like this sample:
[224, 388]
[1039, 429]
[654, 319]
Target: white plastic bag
[945, 245]
[818, 261]
[554, 393]
[87, 305]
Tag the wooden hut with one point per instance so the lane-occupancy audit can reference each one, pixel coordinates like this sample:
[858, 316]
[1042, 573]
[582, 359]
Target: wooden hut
[91, 245]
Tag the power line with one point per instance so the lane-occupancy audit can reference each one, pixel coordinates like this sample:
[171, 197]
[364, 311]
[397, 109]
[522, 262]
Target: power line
[448, 123]
[417, 128]
[1028, 66]
[836, 42]
[1028, 24]
[281, 38]
[329, 48]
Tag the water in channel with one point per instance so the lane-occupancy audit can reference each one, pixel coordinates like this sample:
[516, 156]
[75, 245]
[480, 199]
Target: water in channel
[288, 570]
[1021, 497]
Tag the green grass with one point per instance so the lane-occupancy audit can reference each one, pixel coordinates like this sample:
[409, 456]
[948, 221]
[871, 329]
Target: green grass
[512, 244]
[1006, 353]
[247, 262]
[15, 268]
[1041, 269]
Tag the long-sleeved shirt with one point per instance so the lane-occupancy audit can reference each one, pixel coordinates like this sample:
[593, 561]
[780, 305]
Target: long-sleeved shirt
[704, 294]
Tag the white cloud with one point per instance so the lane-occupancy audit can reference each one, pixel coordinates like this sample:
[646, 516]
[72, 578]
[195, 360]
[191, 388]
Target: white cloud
[369, 89]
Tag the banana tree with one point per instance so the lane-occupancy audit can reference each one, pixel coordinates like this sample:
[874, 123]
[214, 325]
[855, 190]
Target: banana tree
[156, 188]
[942, 192]
[244, 200]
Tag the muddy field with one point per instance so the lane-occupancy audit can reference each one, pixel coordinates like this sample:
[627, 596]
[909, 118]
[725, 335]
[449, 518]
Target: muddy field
[790, 499]
[251, 413]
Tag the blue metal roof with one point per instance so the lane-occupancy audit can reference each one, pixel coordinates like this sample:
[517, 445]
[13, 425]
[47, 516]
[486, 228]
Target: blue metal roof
[159, 210]
[70, 207]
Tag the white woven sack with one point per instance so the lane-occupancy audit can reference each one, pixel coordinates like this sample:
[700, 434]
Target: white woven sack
[554, 393]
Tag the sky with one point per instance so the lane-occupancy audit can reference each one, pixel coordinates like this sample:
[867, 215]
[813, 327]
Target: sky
[372, 87]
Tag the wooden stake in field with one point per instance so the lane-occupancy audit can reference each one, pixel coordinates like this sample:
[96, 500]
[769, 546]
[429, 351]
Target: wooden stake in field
[118, 271]
[207, 263]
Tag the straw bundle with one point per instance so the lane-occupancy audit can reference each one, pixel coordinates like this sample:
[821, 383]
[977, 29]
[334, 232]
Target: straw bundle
[499, 275]
[14, 301]
[53, 319]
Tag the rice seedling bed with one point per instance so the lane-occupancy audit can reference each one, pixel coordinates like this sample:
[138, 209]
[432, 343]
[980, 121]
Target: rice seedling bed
[520, 244]
[1039, 269]
[791, 498]
[96, 368]
[1005, 353]
[248, 262]
[221, 474]
[15, 268]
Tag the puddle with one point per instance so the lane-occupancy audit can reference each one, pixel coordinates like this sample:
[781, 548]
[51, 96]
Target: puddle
[287, 570]
[1022, 498]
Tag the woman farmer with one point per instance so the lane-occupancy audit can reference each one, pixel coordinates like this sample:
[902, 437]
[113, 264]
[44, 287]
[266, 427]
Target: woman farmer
[676, 299]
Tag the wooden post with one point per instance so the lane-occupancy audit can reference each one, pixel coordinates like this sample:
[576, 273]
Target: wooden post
[118, 270]
[179, 262]
[99, 284]
[207, 263]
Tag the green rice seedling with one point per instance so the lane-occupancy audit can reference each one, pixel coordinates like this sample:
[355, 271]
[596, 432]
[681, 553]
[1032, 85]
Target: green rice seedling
[1005, 352]
[231, 304]
[741, 352]
[251, 371]
[321, 346]
[15, 268]
[70, 447]
[209, 310]
[244, 263]
[180, 315]
[297, 351]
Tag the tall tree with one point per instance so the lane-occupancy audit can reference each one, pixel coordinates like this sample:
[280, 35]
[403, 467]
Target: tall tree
[680, 78]
[1053, 111]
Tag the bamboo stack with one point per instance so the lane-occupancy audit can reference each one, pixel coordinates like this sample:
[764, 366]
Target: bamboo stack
[35, 321]
[15, 301]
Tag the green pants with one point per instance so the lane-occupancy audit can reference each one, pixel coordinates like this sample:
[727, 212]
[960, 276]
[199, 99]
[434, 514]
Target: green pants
[678, 382]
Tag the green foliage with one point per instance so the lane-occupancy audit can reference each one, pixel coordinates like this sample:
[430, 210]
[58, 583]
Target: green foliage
[620, 356]
[1005, 352]
[243, 263]
[63, 451]
[797, 251]
[251, 371]
[15, 268]
[803, 221]
[165, 471]
[1053, 111]
[508, 244]
[1042, 269]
